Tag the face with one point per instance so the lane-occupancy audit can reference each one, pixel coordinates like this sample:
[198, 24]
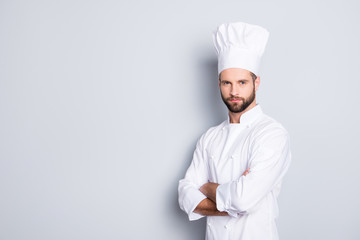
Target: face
[238, 89]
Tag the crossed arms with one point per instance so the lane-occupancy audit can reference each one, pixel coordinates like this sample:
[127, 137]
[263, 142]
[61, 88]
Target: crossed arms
[270, 158]
[207, 207]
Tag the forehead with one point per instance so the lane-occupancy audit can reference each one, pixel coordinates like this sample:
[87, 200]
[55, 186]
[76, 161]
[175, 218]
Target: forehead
[235, 74]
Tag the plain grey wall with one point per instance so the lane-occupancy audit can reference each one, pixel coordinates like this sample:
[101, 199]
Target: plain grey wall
[102, 103]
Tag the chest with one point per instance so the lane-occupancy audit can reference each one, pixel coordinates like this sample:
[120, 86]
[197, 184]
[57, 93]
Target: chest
[229, 152]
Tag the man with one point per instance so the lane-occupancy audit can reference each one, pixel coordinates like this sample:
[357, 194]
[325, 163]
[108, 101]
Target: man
[237, 168]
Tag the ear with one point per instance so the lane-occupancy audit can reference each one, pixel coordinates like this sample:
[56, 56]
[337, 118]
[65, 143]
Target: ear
[257, 83]
[220, 80]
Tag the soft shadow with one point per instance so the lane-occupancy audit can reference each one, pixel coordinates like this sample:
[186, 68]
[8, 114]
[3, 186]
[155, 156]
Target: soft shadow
[194, 229]
[213, 112]
[212, 106]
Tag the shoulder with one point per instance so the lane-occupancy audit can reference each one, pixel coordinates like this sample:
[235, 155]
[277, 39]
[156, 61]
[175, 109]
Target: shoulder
[267, 128]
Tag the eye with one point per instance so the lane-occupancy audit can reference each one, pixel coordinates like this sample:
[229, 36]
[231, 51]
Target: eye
[226, 82]
[242, 83]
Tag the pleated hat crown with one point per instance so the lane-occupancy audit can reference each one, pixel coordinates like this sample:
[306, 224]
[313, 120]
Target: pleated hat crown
[240, 45]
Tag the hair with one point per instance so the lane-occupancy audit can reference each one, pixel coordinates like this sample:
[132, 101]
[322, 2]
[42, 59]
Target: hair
[253, 76]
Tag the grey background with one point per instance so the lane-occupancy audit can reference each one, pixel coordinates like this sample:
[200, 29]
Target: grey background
[102, 103]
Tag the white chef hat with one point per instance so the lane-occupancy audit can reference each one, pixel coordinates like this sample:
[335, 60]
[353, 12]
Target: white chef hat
[240, 45]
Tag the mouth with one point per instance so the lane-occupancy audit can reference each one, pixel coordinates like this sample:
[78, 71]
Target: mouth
[235, 100]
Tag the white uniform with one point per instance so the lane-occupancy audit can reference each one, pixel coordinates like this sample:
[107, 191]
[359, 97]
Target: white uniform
[222, 154]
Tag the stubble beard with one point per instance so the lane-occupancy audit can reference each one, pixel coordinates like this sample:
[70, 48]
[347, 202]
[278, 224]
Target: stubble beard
[239, 106]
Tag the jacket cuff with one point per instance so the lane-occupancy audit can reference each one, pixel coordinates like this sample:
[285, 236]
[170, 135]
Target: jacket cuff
[194, 197]
[223, 199]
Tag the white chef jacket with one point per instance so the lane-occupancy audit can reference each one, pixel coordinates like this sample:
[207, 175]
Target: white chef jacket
[221, 156]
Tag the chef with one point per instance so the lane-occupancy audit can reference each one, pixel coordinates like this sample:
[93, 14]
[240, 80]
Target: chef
[235, 175]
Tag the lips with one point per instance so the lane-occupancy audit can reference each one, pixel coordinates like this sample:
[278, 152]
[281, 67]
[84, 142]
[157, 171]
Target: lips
[235, 100]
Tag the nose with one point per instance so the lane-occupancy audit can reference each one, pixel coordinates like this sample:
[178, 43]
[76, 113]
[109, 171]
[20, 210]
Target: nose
[235, 90]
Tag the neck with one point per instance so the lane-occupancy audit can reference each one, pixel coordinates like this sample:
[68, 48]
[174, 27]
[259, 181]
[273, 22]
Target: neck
[235, 117]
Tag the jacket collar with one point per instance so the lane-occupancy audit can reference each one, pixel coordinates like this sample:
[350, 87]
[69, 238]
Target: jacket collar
[248, 117]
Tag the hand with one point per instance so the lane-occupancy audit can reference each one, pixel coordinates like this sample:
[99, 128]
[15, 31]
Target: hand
[246, 172]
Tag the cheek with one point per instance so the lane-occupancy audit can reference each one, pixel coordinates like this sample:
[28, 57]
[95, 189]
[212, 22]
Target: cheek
[224, 90]
[249, 90]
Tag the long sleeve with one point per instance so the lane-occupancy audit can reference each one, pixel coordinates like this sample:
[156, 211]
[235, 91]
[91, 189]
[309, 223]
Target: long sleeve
[195, 177]
[269, 160]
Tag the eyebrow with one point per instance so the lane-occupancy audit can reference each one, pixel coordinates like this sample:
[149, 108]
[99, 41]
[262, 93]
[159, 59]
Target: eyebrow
[244, 80]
